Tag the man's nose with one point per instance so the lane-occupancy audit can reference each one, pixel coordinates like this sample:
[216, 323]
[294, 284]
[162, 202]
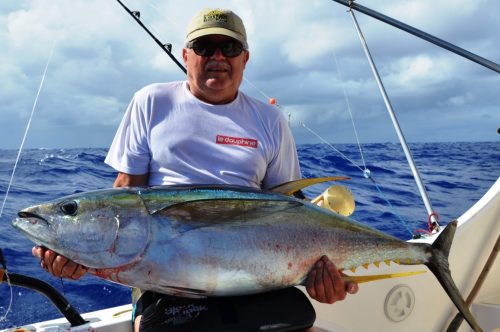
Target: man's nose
[218, 54]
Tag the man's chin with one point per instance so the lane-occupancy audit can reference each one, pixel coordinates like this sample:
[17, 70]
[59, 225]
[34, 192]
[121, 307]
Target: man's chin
[217, 82]
[218, 75]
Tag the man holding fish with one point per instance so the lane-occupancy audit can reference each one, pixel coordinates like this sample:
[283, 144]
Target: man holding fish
[205, 131]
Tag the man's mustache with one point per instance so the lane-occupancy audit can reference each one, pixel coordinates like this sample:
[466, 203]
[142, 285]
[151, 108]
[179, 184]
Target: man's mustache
[217, 65]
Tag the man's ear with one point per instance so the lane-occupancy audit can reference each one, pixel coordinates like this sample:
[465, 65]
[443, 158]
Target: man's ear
[184, 54]
[245, 59]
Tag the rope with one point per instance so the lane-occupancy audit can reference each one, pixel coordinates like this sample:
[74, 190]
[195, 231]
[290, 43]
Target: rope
[366, 171]
[4, 317]
[350, 111]
[152, 29]
[175, 24]
[27, 128]
[256, 88]
[331, 146]
[3, 272]
[400, 218]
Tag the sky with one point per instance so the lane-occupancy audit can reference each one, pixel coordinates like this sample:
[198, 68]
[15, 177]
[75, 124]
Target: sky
[306, 54]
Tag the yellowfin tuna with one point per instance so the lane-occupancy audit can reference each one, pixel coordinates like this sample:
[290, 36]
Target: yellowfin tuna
[217, 240]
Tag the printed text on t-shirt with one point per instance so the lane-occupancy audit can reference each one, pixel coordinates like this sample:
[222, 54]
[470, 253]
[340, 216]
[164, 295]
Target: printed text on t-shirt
[248, 142]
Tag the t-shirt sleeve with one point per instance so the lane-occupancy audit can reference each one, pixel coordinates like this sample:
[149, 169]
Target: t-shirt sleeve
[284, 166]
[129, 153]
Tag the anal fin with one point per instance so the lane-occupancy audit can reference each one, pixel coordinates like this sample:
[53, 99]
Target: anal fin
[368, 278]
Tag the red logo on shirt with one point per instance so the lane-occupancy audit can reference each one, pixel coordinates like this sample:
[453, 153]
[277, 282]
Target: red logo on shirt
[248, 142]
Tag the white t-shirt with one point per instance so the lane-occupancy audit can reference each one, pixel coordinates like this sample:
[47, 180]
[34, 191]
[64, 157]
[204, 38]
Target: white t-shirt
[179, 139]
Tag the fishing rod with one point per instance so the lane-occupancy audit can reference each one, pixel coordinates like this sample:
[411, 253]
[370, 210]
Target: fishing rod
[421, 34]
[165, 47]
[69, 312]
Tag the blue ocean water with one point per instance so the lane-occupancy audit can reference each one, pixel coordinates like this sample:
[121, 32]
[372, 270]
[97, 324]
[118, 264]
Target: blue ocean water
[456, 175]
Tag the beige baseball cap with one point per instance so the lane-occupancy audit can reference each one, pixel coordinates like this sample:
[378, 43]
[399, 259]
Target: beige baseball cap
[217, 22]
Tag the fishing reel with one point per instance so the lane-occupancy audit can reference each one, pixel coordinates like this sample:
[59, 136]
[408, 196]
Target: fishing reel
[338, 199]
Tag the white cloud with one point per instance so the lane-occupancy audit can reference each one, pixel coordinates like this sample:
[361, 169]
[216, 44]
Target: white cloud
[305, 53]
[417, 72]
[460, 100]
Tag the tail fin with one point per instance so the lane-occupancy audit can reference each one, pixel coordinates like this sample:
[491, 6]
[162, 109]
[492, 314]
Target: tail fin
[438, 264]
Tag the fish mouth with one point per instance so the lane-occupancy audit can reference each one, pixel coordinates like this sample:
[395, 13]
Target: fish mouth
[33, 226]
[31, 217]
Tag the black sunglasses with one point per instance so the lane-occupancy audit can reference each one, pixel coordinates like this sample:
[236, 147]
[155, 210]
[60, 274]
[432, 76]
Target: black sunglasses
[205, 47]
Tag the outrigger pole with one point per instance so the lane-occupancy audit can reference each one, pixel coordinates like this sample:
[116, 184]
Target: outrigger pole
[421, 34]
[433, 223]
[166, 47]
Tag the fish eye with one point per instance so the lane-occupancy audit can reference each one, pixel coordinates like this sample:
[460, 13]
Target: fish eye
[69, 208]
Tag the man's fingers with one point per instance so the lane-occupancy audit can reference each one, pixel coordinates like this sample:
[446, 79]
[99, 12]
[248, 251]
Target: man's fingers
[338, 283]
[352, 287]
[69, 269]
[58, 265]
[325, 283]
[49, 256]
[329, 282]
[37, 251]
[318, 282]
[310, 284]
[80, 272]
[73, 270]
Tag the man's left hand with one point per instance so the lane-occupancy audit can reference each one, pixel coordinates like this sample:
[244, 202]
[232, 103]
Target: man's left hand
[325, 283]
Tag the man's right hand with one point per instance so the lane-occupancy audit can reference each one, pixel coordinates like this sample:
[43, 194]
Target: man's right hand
[58, 265]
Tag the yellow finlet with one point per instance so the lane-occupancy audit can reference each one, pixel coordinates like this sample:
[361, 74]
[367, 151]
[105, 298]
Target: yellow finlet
[388, 262]
[288, 188]
[397, 261]
[353, 269]
[377, 264]
[365, 265]
[362, 279]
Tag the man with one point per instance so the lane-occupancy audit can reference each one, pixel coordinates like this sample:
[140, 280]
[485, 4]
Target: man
[205, 131]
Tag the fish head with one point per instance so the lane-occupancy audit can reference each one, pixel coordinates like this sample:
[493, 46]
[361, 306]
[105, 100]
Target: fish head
[105, 228]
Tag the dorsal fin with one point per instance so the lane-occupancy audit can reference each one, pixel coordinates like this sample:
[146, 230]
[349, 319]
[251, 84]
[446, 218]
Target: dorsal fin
[289, 188]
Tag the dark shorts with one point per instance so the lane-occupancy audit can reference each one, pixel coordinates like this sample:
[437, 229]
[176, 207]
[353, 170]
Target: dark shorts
[282, 310]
